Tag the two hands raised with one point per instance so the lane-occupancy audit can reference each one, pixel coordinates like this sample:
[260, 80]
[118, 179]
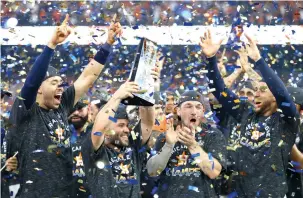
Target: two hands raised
[64, 30]
[210, 48]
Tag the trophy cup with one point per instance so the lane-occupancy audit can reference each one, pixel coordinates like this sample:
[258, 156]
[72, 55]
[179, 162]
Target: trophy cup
[145, 60]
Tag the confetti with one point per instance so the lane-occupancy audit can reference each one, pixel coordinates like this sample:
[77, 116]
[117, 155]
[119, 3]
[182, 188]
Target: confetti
[195, 155]
[132, 181]
[133, 135]
[38, 151]
[98, 133]
[193, 188]
[112, 119]
[286, 104]
[280, 143]
[224, 94]
[20, 98]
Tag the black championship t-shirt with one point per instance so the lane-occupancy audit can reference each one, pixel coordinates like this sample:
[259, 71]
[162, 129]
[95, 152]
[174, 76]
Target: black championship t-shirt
[260, 148]
[295, 177]
[113, 174]
[80, 185]
[182, 177]
[42, 138]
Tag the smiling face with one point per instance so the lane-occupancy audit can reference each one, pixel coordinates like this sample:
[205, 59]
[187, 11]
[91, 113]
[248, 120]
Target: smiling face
[51, 92]
[122, 132]
[265, 102]
[191, 113]
[79, 117]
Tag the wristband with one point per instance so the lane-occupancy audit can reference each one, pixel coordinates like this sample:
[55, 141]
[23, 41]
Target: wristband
[103, 53]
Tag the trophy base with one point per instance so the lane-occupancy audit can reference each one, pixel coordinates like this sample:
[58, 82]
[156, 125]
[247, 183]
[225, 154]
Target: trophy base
[137, 101]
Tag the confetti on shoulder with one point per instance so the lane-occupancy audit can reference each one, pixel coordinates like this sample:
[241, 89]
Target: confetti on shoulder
[224, 94]
[20, 98]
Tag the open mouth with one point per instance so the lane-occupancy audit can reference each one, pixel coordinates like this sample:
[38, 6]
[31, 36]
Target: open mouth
[258, 104]
[58, 97]
[193, 120]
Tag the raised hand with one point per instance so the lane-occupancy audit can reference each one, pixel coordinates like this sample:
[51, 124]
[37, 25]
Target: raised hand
[171, 134]
[114, 30]
[243, 56]
[252, 49]
[126, 90]
[209, 48]
[61, 33]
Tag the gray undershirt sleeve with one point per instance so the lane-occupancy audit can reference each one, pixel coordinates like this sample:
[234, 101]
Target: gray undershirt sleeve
[156, 164]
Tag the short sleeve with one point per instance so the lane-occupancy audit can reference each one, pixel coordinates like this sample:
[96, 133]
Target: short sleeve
[68, 99]
[19, 112]
[215, 144]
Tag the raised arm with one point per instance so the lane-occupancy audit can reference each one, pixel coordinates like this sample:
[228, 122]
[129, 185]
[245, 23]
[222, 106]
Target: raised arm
[96, 65]
[38, 72]
[230, 80]
[274, 83]
[225, 96]
[102, 121]
[243, 57]
[147, 114]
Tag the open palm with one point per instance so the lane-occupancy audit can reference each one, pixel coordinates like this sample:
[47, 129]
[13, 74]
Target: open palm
[209, 48]
[171, 134]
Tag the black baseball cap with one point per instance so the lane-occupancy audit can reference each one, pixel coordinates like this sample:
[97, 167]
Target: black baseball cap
[297, 95]
[191, 96]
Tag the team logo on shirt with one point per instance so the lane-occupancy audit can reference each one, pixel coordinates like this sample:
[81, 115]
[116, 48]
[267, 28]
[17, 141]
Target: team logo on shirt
[59, 131]
[181, 164]
[79, 161]
[78, 171]
[122, 167]
[256, 135]
[182, 159]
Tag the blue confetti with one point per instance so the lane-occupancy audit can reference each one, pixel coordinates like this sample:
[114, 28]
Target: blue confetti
[193, 188]
[243, 98]
[210, 157]
[157, 122]
[153, 152]
[132, 181]
[112, 119]
[142, 149]
[188, 24]
[286, 104]
[232, 194]
[108, 166]
[135, 27]
[98, 133]
[195, 155]
[151, 94]
[73, 58]
[155, 189]
[295, 163]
